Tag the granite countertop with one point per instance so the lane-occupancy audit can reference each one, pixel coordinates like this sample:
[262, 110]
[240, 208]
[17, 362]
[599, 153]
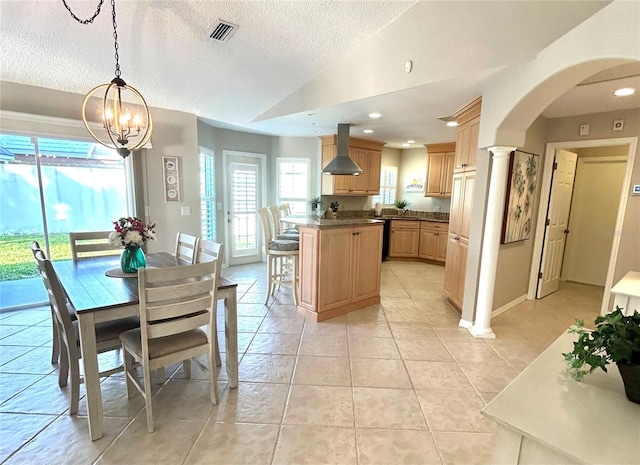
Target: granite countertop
[321, 223]
[412, 218]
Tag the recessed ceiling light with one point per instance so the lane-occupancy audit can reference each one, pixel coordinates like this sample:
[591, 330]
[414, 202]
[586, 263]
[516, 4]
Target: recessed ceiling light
[406, 145]
[452, 124]
[315, 124]
[368, 131]
[411, 142]
[375, 115]
[312, 114]
[624, 92]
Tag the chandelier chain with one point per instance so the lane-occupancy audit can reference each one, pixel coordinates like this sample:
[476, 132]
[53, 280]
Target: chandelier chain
[115, 37]
[84, 21]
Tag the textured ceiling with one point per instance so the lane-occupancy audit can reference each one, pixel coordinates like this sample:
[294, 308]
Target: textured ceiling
[337, 59]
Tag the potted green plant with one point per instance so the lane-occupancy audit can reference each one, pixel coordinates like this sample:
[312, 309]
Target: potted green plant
[316, 203]
[333, 206]
[616, 339]
[401, 205]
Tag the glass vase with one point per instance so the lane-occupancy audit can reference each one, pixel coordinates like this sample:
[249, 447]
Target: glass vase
[131, 259]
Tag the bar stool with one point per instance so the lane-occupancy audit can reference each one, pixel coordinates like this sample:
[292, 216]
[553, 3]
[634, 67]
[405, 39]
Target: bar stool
[282, 257]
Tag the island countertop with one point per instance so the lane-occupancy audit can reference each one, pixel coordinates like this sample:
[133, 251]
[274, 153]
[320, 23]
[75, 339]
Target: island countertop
[321, 223]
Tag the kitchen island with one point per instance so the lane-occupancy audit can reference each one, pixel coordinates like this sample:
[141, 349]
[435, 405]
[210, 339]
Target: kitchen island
[339, 268]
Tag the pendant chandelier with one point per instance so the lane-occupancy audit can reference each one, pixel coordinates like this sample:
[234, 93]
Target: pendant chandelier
[122, 109]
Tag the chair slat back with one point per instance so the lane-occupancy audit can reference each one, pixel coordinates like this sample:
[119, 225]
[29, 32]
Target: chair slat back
[275, 218]
[209, 251]
[91, 244]
[56, 294]
[186, 246]
[176, 299]
[266, 220]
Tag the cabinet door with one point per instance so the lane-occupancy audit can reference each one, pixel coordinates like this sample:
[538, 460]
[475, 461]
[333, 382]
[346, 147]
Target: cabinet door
[462, 147]
[427, 248]
[367, 250]
[451, 272]
[341, 184]
[359, 183]
[441, 246]
[457, 204]
[435, 168]
[308, 284]
[334, 280]
[374, 167]
[404, 242]
[472, 152]
[467, 203]
[447, 174]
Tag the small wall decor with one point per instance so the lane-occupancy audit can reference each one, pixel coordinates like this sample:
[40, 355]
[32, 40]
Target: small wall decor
[521, 190]
[171, 177]
[416, 185]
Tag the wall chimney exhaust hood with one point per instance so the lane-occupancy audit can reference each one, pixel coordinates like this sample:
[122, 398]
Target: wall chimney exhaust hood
[342, 164]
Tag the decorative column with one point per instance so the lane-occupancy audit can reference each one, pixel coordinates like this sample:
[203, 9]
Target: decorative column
[491, 241]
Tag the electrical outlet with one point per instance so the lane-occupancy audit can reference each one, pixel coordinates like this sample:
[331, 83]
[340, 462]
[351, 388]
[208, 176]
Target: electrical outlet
[185, 211]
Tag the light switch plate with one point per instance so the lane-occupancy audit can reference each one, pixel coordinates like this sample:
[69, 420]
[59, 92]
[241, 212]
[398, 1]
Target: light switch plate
[584, 129]
[636, 189]
[185, 211]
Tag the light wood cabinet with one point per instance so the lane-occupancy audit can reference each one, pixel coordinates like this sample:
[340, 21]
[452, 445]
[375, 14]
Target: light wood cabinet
[339, 269]
[433, 241]
[458, 237]
[462, 189]
[440, 163]
[468, 132]
[366, 154]
[405, 238]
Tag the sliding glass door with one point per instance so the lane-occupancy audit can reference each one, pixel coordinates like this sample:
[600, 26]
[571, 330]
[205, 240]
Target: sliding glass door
[49, 187]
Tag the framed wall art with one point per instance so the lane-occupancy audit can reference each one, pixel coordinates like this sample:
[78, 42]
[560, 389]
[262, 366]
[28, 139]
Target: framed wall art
[171, 178]
[521, 191]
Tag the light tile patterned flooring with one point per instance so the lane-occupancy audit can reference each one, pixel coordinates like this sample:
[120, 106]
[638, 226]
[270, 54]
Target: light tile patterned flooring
[397, 383]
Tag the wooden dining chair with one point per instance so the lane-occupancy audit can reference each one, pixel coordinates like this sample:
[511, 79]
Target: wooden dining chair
[55, 341]
[68, 332]
[209, 251]
[282, 257]
[87, 244]
[186, 246]
[175, 303]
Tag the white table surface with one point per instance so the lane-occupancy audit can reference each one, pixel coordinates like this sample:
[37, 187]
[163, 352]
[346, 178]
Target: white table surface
[592, 421]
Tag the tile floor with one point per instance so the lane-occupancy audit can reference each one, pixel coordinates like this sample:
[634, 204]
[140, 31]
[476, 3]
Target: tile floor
[397, 383]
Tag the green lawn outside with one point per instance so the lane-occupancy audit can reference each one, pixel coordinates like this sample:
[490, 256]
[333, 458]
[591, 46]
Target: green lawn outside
[16, 259]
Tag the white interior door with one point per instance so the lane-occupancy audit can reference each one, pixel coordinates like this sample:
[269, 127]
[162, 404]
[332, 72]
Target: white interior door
[557, 222]
[244, 194]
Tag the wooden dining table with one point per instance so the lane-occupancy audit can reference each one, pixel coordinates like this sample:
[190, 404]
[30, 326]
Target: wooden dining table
[98, 298]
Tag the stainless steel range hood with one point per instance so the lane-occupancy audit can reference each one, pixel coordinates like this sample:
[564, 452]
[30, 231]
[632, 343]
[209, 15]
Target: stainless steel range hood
[342, 164]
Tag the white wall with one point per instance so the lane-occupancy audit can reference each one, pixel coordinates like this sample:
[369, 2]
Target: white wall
[413, 165]
[592, 219]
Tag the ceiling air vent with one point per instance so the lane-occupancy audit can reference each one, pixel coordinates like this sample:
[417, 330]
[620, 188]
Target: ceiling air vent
[223, 31]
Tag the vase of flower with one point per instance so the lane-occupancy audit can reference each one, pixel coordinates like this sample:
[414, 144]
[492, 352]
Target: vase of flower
[131, 233]
[132, 258]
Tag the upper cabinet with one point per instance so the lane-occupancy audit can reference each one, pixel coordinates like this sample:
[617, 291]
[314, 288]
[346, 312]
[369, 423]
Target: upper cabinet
[468, 119]
[367, 154]
[440, 162]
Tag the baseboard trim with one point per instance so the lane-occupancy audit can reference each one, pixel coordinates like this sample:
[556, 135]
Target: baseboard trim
[508, 306]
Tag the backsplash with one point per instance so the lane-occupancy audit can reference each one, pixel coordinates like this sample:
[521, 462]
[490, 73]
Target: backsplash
[392, 212]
